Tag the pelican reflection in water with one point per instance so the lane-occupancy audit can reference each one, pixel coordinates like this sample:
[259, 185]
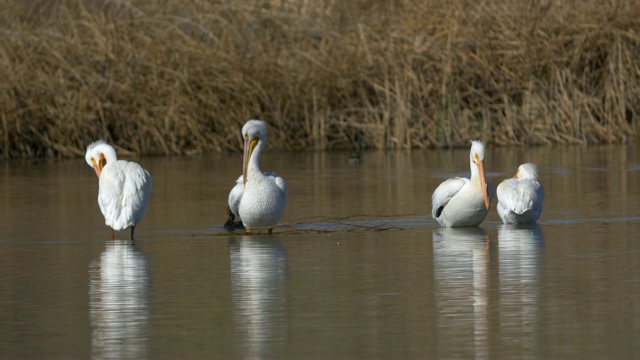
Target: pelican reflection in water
[119, 302]
[461, 273]
[520, 248]
[258, 282]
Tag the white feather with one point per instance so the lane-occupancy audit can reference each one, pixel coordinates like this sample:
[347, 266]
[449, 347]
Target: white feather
[460, 201]
[124, 187]
[520, 198]
[124, 193]
[445, 192]
[261, 201]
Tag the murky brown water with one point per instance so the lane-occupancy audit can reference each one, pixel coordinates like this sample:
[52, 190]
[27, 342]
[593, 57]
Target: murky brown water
[567, 288]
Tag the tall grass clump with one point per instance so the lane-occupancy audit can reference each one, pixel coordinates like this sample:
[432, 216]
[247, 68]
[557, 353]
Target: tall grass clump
[180, 77]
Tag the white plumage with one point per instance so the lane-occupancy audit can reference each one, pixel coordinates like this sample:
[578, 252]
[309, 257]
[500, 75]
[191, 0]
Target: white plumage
[520, 198]
[461, 201]
[257, 198]
[124, 187]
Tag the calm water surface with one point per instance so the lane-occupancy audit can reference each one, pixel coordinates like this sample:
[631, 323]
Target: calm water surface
[392, 284]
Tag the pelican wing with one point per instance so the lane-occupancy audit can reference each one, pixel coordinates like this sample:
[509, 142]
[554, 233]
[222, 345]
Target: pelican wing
[444, 192]
[124, 192]
[235, 196]
[279, 181]
[520, 195]
[111, 184]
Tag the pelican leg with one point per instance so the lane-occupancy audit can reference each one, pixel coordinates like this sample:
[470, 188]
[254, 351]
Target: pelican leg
[133, 228]
[113, 235]
[247, 230]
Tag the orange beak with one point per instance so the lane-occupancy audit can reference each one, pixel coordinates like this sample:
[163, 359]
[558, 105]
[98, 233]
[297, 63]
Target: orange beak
[249, 145]
[97, 167]
[483, 183]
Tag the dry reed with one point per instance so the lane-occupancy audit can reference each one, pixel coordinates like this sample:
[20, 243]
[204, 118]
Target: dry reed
[175, 77]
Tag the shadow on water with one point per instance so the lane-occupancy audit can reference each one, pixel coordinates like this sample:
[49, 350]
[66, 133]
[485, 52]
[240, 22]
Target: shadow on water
[119, 302]
[259, 285]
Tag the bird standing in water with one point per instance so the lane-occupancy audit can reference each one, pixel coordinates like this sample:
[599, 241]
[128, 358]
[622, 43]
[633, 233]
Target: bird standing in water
[464, 202]
[257, 198]
[124, 187]
[520, 198]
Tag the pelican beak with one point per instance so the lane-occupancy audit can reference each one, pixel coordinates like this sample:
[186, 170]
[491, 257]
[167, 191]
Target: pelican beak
[516, 175]
[97, 166]
[483, 183]
[249, 145]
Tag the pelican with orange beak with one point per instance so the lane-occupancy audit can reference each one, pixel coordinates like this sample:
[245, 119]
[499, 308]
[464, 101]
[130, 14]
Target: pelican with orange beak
[460, 201]
[257, 198]
[123, 187]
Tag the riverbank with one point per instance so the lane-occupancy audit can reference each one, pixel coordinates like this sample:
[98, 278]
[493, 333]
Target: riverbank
[169, 77]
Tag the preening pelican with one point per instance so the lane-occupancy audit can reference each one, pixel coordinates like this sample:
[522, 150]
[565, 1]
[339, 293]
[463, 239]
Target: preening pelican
[258, 199]
[520, 198]
[464, 202]
[124, 187]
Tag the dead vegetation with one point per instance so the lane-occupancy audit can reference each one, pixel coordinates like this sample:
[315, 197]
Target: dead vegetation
[175, 77]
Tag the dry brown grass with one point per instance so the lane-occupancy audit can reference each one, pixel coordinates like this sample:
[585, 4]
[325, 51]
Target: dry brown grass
[176, 77]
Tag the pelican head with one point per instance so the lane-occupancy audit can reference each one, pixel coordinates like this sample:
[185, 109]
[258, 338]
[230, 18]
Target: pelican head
[527, 171]
[477, 151]
[100, 154]
[476, 160]
[254, 133]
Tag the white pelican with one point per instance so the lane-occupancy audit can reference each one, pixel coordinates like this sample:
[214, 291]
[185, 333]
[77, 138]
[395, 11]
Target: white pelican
[520, 198]
[258, 199]
[124, 187]
[460, 201]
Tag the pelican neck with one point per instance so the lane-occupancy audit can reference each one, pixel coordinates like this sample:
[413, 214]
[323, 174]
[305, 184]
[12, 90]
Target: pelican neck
[254, 160]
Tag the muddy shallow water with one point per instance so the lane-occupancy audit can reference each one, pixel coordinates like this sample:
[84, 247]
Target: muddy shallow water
[368, 274]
